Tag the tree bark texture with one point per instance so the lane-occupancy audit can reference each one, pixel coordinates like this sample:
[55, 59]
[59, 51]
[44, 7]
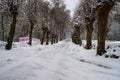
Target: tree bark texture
[43, 37]
[89, 34]
[11, 34]
[31, 32]
[76, 37]
[2, 24]
[47, 37]
[103, 14]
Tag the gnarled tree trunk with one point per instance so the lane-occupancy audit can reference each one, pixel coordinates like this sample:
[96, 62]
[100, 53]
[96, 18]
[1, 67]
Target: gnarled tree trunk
[11, 33]
[56, 38]
[30, 33]
[2, 25]
[43, 37]
[102, 28]
[103, 14]
[89, 34]
[47, 37]
[52, 36]
[76, 37]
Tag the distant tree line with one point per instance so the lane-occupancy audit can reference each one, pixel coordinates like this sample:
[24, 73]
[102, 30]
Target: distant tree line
[93, 17]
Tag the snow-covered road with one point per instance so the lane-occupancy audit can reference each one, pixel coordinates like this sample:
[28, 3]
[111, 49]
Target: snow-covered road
[62, 61]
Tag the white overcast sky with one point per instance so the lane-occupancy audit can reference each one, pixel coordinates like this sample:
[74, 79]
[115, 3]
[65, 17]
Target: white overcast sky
[71, 4]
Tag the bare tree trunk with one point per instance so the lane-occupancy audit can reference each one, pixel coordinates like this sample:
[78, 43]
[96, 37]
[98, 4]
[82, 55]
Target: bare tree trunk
[89, 35]
[80, 41]
[47, 38]
[56, 38]
[60, 36]
[11, 33]
[30, 33]
[102, 30]
[76, 36]
[2, 24]
[43, 37]
[103, 15]
[52, 36]
[60, 32]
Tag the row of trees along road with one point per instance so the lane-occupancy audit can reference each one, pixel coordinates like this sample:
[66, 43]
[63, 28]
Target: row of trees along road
[90, 13]
[49, 22]
[34, 18]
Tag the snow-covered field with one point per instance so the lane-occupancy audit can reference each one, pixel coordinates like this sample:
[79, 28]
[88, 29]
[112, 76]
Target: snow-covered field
[61, 61]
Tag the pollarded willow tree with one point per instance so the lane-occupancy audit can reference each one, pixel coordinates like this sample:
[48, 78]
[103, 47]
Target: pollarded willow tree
[76, 36]
[91, 10]
[33, 18]
[31, 15]
[87, 15]
[87, 10]
[13, 9]
[45, 22]
[103, 14]
[76, 29]
[89, 18]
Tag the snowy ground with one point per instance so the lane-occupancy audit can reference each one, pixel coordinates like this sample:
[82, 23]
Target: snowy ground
[61, 61]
